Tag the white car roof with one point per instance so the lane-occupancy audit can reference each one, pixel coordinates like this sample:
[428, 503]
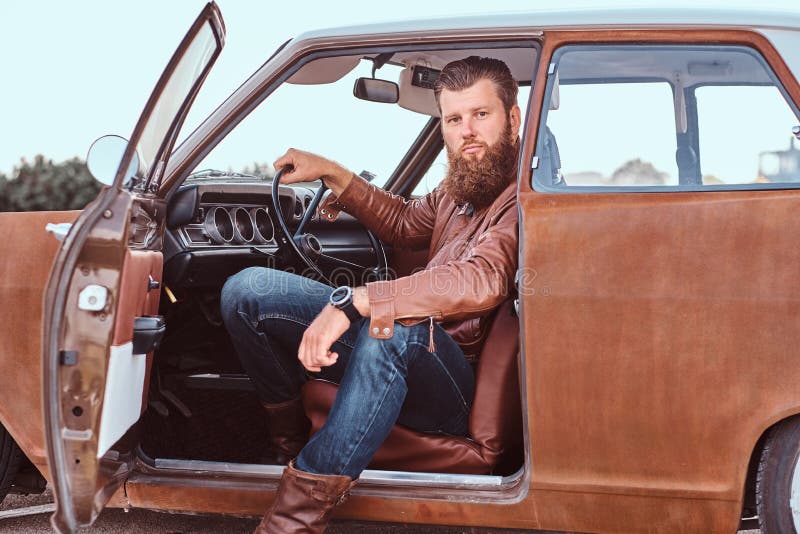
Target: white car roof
[763, 16]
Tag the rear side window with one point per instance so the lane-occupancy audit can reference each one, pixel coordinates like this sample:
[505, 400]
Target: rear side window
[663, 118]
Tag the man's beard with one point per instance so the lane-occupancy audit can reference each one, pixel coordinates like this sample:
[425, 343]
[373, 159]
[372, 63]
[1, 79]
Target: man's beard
[480, 182]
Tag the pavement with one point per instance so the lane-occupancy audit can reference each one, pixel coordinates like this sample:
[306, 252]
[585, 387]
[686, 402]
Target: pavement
[115, 520]
[37, 510]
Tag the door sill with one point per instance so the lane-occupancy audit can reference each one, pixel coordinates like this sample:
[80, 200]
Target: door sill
[376, 483]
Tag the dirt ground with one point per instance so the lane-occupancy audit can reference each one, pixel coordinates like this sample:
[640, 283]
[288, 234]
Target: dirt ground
[116, 520]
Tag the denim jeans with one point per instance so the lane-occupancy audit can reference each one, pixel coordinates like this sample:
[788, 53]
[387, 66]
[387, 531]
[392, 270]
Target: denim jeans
[382, 382]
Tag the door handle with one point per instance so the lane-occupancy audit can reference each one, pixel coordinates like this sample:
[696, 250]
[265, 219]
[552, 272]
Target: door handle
[58, 230]
[152, 283]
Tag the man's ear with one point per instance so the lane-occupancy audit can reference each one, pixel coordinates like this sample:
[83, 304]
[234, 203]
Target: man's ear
[515, 117]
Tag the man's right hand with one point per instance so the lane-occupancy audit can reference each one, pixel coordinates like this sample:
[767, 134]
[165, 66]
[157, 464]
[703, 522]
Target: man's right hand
[308, 167]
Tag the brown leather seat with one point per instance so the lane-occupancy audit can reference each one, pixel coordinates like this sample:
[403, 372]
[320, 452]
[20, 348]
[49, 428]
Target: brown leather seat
[495, 421]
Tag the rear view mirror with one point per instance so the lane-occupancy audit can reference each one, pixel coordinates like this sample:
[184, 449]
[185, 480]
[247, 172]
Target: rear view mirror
[104, 158]
[376, 90]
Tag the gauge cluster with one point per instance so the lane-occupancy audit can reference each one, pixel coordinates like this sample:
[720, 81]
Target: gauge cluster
[221, 225]
[232, 215]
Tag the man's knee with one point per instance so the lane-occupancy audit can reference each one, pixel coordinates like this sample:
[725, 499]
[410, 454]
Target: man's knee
[242, 288]
[259, 291]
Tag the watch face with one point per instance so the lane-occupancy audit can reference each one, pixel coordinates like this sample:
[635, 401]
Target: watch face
[340, 295]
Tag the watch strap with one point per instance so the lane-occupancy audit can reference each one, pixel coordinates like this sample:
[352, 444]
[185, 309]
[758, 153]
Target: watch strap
[342, 299]
[351, 311]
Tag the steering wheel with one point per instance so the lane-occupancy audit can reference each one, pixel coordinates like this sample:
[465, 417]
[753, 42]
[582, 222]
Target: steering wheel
[306, 248]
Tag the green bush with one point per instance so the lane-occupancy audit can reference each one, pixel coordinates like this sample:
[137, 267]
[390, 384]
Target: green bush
[46, 186]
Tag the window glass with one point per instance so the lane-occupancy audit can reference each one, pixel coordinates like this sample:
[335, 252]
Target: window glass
[665, 117]
[325, 119]
[628, 140]
[752, 144]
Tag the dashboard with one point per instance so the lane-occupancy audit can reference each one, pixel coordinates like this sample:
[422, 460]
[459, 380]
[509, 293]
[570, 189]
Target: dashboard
[216, 228]
[233, 214]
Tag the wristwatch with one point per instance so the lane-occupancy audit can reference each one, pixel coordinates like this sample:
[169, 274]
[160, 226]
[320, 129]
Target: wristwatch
[342, 298]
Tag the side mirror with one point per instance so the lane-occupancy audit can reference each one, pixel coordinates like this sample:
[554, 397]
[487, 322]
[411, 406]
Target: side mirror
[104, 157]
[376, 90]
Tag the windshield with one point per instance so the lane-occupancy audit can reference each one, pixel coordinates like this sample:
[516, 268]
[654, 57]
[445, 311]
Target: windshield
[158, 132]
[325, 119]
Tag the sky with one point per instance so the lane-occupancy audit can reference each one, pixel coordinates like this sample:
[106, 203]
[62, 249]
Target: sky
[73, 71]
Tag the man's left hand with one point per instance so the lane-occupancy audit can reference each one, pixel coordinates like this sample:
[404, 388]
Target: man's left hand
[314, 352]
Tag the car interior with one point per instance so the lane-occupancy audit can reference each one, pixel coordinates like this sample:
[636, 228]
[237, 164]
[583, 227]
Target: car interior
[201, 408]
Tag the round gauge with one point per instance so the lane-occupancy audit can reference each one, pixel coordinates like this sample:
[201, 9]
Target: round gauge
[244, 231]
[265, 231]
[219, 225]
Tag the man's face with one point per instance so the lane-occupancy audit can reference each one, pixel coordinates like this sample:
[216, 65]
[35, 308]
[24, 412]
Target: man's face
[481, 141]
[474, 120]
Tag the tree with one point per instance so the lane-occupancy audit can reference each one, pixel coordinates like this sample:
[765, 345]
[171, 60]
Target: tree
[637, 172]
[263, 170]
[46, 186]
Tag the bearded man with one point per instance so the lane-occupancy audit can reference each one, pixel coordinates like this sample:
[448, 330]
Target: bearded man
[409, 362]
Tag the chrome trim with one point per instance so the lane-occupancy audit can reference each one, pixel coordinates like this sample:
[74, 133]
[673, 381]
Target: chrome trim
[468, 488]
[218, 224]
[28, 511]
[58, 230]
[243, 221]
[187, 242]
[219, 467]
[263, 236]
[442, 480]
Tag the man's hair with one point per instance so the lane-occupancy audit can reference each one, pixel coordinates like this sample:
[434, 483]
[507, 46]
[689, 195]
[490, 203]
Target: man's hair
[464, 73]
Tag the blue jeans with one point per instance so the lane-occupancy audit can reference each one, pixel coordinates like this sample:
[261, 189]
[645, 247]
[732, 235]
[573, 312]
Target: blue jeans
[381, 381]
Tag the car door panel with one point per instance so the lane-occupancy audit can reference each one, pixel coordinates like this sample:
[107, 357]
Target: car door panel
[102, 279]
[655, 323]
[128, 373]
[140, 293]
[23, 238]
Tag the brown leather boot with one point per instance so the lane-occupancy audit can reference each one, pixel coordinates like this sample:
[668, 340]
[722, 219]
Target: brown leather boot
[288, 429]
[304, 502]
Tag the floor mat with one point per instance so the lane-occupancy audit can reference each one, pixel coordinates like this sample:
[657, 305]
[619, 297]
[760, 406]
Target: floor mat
[225, 426]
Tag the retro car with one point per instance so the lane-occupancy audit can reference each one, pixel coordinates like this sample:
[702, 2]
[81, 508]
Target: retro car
[643, 376]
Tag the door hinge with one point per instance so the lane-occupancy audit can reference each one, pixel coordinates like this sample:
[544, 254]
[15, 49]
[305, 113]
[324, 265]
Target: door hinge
[68, 357]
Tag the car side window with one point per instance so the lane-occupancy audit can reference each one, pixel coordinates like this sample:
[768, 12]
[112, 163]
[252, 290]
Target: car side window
[664, 118]
[750, 144]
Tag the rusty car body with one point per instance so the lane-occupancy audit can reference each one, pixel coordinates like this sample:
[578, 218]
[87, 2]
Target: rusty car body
[654, 378]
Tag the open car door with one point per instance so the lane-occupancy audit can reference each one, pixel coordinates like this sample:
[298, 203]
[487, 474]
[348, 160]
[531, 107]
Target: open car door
[104, 281]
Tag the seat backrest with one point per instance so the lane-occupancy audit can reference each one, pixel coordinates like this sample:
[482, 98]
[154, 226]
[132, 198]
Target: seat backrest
[496, 417]
[549, 169]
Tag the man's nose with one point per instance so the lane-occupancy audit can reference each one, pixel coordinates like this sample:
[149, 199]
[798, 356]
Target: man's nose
[467, 130]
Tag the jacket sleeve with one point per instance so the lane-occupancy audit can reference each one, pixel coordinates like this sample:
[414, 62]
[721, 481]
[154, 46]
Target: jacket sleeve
[403, 223]
[456, 290]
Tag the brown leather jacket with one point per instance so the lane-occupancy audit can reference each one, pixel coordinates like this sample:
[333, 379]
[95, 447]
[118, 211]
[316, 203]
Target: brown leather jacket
[471, 259]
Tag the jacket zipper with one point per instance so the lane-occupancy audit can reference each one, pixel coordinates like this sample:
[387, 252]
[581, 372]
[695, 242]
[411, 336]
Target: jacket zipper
[431, 344]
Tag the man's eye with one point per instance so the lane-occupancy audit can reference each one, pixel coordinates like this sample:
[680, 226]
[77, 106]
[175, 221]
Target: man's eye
[483, 113]
[452, 120]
